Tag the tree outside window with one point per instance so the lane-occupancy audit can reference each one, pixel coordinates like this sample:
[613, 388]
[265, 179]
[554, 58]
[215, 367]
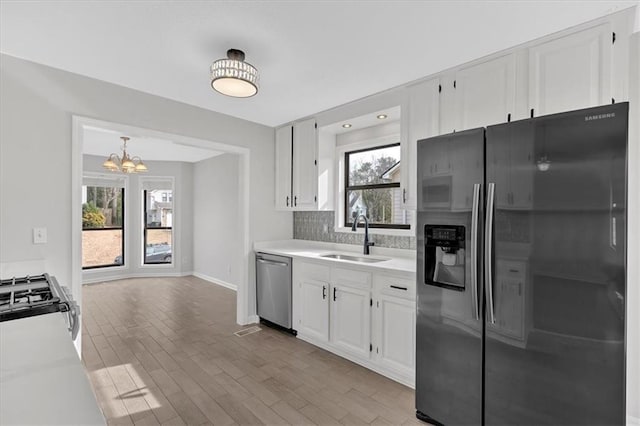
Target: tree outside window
[102, 226]
[372, 187]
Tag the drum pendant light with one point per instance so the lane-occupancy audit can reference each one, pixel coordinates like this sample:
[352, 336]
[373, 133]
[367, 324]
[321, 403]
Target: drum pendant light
[233, 76]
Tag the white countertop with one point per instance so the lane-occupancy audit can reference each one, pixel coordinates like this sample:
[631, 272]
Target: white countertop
[398, 261]
[42, 380]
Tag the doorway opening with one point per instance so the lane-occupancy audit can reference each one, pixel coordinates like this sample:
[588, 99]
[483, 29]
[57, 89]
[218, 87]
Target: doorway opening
[208, 183]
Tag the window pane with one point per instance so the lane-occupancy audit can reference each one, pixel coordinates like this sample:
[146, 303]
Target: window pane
[159, 208]
[101, 207]
[374, 166]
[159, 247]
[102, 226]
[158, 226]
[102, 248]
[381, 206]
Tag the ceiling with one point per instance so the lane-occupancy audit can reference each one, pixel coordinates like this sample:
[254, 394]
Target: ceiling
[103, 142]
[362, 122]
[311, 55]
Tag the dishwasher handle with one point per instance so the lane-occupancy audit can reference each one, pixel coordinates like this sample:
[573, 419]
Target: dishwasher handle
[271, 262]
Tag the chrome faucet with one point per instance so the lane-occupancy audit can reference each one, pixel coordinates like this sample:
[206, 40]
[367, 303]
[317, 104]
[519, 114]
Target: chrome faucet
[367, 243]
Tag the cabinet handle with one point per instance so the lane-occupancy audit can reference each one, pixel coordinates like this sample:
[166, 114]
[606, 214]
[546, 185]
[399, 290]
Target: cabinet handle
[334, 294]
[295, 201]
[287, 201]
[399, 288]
[324, 292]
[404, 196]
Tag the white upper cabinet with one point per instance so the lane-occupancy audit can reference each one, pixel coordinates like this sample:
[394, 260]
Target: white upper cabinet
[448, 116]
[297, 166]
[485, 93]
[421, 120]
[305, 165]
[284, 171]
[571, 72]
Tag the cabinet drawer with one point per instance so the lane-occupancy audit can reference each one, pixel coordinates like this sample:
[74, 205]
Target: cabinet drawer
[392, 286]
[312, 271]
[359, 279]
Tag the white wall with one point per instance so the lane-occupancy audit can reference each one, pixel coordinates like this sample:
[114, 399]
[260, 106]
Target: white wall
[216, 220]
[182, 226]
[36, 109]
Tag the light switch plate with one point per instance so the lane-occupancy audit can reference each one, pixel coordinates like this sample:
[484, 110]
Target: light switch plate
[39, 235]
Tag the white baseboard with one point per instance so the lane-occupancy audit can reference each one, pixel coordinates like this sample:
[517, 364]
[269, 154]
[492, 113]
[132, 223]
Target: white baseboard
[101, 279]
[633, 421]
[215, 281]
[253, 319]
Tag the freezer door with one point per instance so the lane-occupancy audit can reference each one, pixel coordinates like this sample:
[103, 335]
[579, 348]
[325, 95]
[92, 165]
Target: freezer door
[449, 319]
[554, 349]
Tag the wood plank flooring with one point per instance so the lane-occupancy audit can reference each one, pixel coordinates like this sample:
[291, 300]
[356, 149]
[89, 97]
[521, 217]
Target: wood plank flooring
[162, 351]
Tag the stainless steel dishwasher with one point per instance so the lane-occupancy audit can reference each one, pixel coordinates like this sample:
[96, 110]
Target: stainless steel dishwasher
[273, 288]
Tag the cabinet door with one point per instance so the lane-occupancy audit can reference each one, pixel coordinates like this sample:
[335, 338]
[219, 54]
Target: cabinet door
[423, 121]
[485, 93]
[351, 320]
[305, 168]
[396, 324]
[447, 100]
[571, 72]
[314, 309]
[283, 168]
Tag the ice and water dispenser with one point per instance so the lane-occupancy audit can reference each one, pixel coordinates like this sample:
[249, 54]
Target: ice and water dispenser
[445, 256]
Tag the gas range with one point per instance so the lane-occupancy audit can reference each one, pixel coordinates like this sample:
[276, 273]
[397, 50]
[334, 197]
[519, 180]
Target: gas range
[37, 295]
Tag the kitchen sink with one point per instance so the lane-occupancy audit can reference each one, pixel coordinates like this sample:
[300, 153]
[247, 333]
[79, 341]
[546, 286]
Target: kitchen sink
[363, 259]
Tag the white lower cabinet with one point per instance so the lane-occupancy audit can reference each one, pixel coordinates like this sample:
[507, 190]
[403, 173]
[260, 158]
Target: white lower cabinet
[351, 319]
[364, 317]
[394, 302]
[396, 341]
[314, 309]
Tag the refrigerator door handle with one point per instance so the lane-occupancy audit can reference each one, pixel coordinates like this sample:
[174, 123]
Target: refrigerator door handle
[474, 249]
[488, 250]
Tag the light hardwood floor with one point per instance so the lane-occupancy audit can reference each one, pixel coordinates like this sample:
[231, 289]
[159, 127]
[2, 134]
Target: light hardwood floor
[162, 351]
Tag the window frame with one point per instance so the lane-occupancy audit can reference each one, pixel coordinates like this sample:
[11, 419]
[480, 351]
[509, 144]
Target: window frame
[123, 240]
[145, 228]
[346, 218]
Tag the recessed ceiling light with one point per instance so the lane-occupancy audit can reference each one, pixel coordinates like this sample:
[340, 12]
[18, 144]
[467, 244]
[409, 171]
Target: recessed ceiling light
[346, 125]
[381, 116]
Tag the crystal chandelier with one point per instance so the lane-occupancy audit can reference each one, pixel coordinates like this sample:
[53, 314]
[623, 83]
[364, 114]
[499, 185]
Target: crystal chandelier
[233, 76]
[124, 164]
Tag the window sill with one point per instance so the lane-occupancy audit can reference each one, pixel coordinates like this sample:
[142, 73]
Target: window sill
[105, 269]
[157, 265]
[378, 231]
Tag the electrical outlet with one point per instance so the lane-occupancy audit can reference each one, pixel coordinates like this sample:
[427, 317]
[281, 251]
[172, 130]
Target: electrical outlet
[325, 228]
[39, 235]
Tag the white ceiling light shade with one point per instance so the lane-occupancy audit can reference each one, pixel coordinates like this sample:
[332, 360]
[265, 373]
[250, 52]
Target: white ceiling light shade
[126, 164]
[233, 76]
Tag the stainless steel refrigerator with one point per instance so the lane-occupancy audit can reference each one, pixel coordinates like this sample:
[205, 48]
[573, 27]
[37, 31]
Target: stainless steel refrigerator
[521, 236]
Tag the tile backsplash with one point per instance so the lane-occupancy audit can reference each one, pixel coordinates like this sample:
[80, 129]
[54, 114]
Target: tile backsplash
[310, 226]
